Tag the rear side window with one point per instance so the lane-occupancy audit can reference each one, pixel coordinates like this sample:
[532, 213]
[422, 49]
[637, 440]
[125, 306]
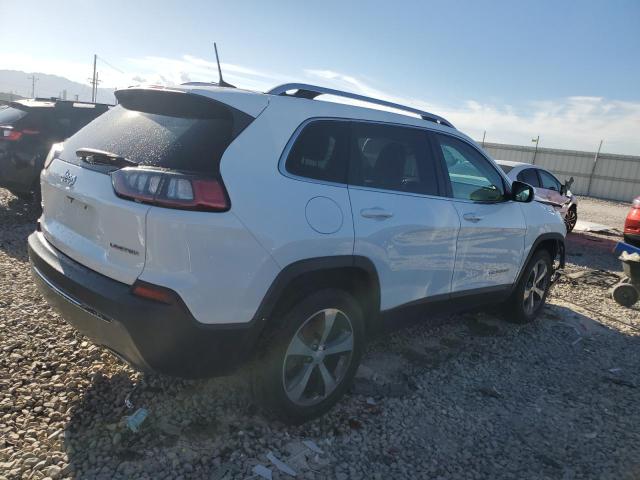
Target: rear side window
[175, 131]
[472, 176]
[10, 115]
[529, 176]
[320, 152]
[391, 158]
[549, 181]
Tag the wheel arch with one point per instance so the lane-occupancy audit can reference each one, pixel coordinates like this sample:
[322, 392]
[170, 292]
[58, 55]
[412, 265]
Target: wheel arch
[553, 243]
[352, 273]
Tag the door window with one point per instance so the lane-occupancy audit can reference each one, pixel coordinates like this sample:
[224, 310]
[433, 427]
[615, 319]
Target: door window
[320, 152]
[472, 176]
[392, 158]
[529, 176]
[549, 181]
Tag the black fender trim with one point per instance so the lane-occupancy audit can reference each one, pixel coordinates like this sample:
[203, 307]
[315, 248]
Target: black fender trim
[313, 265]
[543, 238]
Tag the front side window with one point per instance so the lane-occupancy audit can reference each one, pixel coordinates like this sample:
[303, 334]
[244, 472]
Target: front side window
[472, 176]
[549, 181]
[320, 152]
[529, 176]
[391, 157]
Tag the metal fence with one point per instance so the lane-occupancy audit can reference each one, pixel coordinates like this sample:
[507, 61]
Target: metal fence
[602, 175]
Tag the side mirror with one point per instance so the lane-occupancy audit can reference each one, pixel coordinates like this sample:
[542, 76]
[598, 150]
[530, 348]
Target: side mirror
[568, 183]
[521, 192]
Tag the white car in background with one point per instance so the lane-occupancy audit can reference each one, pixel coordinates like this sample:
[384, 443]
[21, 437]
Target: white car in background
[547, 187]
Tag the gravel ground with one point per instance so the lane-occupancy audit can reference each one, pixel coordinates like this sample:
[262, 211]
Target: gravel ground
[466, 396]
[604, 212]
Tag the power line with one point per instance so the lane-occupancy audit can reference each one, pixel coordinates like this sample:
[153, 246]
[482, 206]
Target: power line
[110, 65]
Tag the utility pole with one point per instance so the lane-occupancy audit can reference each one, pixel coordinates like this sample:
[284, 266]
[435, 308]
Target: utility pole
[483, 135]
[33, 79]
[94, 79]
[593, 168]
[535, 152]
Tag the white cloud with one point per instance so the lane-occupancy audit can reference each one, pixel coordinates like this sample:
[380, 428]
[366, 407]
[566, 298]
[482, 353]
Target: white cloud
[576, 122]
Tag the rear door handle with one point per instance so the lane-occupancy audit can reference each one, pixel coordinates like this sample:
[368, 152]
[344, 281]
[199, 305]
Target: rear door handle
[471, 217]
[376, 212]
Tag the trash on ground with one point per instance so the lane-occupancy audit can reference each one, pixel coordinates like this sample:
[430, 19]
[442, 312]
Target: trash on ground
[615, 370]
[370, 401]
[311, 445]
[134, 421]
[490, 392]
[280, 465]
[262, 472]
[584, 226]
[127, 400]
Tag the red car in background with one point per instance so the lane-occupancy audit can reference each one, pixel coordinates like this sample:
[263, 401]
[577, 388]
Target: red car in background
[632, 224]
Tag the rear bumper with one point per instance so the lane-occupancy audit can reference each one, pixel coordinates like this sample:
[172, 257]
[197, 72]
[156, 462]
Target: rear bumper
[150, 336]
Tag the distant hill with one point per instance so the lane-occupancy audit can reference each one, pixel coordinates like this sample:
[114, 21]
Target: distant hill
[17, 82]
[8, 97]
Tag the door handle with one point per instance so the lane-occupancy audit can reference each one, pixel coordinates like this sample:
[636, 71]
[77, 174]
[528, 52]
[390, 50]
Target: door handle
[471, 217]
[376, 212]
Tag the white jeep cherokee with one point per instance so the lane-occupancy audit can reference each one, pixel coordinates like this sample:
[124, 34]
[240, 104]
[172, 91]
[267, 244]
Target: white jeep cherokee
[190, 229]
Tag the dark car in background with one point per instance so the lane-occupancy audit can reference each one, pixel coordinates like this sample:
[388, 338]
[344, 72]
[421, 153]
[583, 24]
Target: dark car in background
[28, 128]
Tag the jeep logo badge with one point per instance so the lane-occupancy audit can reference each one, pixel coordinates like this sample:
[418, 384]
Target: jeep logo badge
[68, 178]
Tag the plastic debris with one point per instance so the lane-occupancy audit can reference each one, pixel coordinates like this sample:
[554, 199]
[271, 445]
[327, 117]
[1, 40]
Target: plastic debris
[370, 401]
[127, 400]
[262, 472]
[311, 445]
[134, 421]
[280, 465]
[630, 257]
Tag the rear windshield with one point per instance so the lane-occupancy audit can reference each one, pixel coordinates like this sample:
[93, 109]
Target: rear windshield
[178, 132]
[10, 115]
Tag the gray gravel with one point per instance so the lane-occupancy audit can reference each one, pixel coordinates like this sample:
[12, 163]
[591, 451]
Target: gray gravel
[604, 212]
[467, 396]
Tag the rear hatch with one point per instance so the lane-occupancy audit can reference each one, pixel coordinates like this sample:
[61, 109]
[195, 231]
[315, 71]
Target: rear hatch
[151, 134]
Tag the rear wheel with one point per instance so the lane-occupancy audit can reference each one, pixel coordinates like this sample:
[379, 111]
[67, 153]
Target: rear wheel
[571, 218]
[528, 299]
[311, 360]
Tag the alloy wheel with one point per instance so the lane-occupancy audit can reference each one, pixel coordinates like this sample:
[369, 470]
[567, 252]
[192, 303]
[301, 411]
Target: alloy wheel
[535, 287]
[318, 357]
[570, 219]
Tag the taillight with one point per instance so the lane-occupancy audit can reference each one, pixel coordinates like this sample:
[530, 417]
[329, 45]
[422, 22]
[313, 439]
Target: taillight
[170, 189]
[11, 134]
[54, 151]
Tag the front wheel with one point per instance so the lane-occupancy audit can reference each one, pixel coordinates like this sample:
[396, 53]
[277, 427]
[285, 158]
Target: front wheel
[312, 359]
[571, 218]
[529, 296]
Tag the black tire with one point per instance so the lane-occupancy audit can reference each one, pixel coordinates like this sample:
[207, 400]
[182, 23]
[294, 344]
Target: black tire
[625, 294]
[515, 310]
[270, 372]
[571, 218]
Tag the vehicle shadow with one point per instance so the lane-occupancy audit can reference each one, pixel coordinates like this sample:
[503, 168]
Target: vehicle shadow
[593, 251]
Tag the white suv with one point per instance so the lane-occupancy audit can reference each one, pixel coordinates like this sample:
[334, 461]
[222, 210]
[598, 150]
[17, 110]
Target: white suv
[190, 229]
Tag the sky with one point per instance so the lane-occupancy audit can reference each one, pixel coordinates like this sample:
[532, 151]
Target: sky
[568, 71]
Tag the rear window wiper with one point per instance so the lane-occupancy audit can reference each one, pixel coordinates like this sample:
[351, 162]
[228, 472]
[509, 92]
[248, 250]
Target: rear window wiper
[100, 157]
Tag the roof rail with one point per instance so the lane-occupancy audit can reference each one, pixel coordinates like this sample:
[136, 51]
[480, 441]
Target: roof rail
[310, 92]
